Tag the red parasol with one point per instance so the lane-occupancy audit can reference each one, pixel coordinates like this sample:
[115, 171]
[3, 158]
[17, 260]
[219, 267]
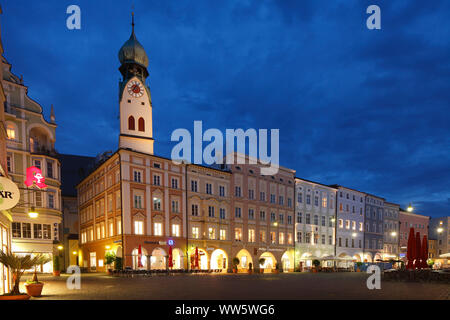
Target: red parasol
[140, 257]
[418, 255]
[410, 249]
[196, 258]
[170, 257]
[424, 252]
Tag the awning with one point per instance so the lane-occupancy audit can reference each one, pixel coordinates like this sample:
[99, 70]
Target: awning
[445, 255]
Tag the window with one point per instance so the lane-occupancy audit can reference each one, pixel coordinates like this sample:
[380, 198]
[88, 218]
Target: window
[131, 123]
[299, 237]
[316, 220]
[299, 217]
[137, 176]
[195, 232]
[51, 200]
[281, 238]
[139, 227]
[38, 198]
[156, 180]
[273, 237]
[223, 234]
[272, 217]
[323, 239]
[238, 234]
[316, 201]
[289, 220]
[281, 200]
[330, 240]
[50, 169]
[316, 238]
[37, 231]
[9, 163]
[208, 188]
[324, 221]
[174, 183]
[308, 218]
[26, 230]
[272, 198]
[251, 194]
[300, 197]
[222, 213]
[353, 225]
[308, 199]
[111, 229]
[175, 206]
[222, 191]
[347, 224]
[324, 202]
[119, 226]
[16, 230]
[138, 201]
[281, 217]
[262, 236]
[308, 237]
[262, 215]
[141, 124]
[195, 210]
[193, 186]
[237, 212]
[237, 191]
[251, 235]
[156, 204]
[11, 132]
[157, 228]
[211, 211]
[262, 196]
[251, 214]
[341, 223]
[212, 233]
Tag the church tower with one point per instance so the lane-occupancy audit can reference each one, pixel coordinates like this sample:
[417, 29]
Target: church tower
[136, 127]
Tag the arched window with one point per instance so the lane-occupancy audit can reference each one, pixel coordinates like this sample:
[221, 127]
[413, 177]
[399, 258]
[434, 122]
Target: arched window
[131, 124]
[141, 124]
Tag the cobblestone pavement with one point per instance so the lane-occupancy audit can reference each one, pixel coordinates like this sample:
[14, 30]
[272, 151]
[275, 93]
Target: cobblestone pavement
[296, 286]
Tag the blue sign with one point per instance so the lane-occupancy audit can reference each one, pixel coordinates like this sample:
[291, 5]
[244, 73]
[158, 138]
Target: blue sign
[170, 242]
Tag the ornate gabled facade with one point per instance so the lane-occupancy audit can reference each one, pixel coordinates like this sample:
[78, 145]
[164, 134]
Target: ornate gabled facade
[31, 143]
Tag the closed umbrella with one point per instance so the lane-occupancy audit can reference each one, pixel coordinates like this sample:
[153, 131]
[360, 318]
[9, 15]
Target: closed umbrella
[410, 250]
[170, 257]
[196, 258]
[418, 255]
[424, 252]
[140, 257]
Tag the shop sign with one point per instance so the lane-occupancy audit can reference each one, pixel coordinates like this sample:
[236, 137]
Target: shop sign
[9, 194]
[34, 176]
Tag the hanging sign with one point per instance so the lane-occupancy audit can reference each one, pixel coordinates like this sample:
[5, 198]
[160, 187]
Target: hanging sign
[9, 194]
[34, 176]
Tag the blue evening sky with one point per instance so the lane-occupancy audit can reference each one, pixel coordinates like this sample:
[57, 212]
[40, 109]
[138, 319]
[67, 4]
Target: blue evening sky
[361, 108]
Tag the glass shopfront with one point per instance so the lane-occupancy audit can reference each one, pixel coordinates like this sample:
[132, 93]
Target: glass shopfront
[4, 272]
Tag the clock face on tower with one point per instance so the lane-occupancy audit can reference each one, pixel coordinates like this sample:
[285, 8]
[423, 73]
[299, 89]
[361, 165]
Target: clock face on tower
[135, 89]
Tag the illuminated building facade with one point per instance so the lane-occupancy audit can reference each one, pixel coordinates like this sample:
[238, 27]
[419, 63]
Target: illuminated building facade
[315, 222]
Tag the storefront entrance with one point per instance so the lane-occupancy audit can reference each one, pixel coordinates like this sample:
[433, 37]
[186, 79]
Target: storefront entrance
[219, 260]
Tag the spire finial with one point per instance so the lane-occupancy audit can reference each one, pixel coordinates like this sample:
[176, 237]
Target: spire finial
[132, 18]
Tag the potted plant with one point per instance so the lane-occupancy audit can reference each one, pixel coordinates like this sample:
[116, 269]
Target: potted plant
[358, 266]
[261, 264]
[17, 265]
[430, 263]
[118, 263]
[316, 264]
[250, 268]
[56, 266]
[110, 258]
[235, 264]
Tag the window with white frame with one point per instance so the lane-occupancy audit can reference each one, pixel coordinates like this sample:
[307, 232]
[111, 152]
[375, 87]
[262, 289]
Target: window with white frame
[157, 229]
[139, 227]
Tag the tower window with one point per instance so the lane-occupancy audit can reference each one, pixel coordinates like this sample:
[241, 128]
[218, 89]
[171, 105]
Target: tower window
[141, 124]
[131, 124]
[143, 103]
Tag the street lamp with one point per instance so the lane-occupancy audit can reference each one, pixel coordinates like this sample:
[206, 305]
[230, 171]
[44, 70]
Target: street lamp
[440, 230]
[393, 233]
[32, 213]
[60, 247]
[354, 234]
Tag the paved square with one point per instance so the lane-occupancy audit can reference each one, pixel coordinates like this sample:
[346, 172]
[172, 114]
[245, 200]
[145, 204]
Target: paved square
[293, 286]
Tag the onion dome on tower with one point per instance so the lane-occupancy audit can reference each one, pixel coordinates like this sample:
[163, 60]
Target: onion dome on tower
[133, 58]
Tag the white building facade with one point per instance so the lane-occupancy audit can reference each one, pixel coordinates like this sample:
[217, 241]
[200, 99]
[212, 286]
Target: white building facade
[350, 224]
[315, 222]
